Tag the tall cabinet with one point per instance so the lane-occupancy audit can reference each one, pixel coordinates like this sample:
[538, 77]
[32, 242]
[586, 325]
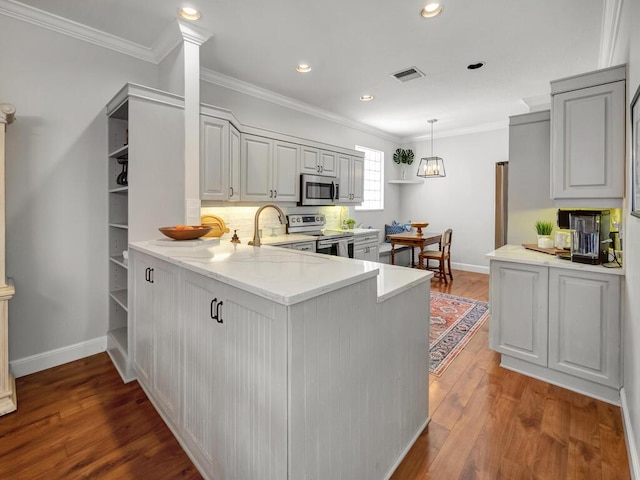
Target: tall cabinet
[145, 145]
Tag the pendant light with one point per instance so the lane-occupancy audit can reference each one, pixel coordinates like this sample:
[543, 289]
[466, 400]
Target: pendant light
[431, 166]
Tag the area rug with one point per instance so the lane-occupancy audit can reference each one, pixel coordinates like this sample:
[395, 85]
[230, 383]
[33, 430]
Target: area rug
[454, 320]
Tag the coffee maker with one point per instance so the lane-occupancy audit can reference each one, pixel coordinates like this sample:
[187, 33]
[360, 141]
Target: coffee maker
[590, 241]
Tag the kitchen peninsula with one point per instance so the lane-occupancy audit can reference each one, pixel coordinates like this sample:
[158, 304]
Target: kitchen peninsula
[275, 363]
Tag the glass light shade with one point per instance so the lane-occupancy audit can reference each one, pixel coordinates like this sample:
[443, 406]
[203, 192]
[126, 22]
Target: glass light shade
[431, 167]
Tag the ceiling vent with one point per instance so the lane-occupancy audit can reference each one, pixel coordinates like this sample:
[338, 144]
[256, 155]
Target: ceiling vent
[407, 74]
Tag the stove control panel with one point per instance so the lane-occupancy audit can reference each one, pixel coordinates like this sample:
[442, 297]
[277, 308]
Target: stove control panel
[315, 220]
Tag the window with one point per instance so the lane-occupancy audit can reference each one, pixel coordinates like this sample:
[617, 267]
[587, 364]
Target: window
[373, 179]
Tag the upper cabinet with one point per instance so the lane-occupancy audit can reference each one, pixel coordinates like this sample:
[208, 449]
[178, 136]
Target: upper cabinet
[219, 160]
[269, 169]
[587, 135]
[350, 179]
[318, 162]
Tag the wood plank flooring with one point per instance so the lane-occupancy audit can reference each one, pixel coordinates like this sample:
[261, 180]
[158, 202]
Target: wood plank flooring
[80, 421]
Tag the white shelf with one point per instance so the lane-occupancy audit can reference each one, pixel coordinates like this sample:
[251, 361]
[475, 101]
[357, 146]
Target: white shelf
[406, 182]
[121, 336]
[119, 225]
[122, 152]
[119, 260]
[121, 297]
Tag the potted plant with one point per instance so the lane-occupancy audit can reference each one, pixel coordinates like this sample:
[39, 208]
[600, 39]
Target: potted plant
[403, 157]
[544, 229]
[350, 223]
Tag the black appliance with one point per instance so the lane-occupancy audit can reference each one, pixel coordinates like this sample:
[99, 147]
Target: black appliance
[590, 239]
[318, 190]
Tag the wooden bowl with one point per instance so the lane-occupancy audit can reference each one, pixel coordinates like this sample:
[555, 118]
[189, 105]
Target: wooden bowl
[186, 232]
[419, 226]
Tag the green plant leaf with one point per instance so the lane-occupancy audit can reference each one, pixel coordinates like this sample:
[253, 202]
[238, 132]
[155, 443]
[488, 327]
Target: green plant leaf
[398, 156]
[543, 227]
[408, 156]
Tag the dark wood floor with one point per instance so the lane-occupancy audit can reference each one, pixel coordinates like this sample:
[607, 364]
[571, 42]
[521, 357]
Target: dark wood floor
[80, 421]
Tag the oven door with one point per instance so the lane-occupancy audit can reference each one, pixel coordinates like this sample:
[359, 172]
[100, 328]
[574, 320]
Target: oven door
[318, 190]
[330, 247]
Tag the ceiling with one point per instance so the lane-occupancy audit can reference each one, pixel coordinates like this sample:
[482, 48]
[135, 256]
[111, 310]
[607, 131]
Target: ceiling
[354, 45]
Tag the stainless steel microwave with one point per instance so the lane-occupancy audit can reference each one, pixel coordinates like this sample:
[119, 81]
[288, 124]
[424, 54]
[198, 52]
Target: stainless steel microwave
[318, 190]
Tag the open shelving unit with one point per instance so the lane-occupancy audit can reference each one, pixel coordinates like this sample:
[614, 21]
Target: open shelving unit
[118, 215]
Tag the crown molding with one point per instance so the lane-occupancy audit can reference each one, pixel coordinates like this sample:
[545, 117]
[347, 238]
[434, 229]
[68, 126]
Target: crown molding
[37, 17]
[249, 89]
[192, 33]
[456, 132]
[169, 39]
[611, 13]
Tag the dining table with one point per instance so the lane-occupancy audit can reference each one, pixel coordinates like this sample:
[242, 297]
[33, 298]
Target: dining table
[413, 240]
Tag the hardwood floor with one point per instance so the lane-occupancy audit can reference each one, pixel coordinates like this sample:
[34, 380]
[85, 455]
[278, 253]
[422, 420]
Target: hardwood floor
[80, 421]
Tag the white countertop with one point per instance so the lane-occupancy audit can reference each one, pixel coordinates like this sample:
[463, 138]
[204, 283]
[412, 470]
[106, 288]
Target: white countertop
[285, 238]
[519, 254]
[282, 275]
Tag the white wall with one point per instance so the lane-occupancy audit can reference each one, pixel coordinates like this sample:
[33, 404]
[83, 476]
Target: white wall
[464, 200]
[56, 183]
[628, 49]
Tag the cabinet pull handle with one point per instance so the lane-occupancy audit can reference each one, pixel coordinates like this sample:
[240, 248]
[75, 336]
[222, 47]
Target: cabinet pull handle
[318, 168]
[218, 314]
[151, 275]
[231, 191]
[213, 304]
[147, 274]
[275, 194]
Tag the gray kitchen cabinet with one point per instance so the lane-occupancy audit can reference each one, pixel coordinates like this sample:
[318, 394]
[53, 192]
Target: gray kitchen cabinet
[156, 331]
[584, 325]
[561, 325]
[219, 160]
[317, 161]
[269, 169]
[365, 246]
[234, 365]
[519, 311]
[588, 135]
[350, 179]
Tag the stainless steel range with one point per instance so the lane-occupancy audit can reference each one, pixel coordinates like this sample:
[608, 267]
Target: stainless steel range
[330, 242]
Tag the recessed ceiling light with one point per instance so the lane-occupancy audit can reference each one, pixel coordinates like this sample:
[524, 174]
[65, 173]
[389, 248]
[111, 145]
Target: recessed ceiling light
[303, 68]
[475, 66]
[189, 13]
[366, 98]
[431, 9]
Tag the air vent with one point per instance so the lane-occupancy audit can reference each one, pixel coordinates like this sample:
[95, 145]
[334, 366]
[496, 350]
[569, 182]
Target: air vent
[407, 74]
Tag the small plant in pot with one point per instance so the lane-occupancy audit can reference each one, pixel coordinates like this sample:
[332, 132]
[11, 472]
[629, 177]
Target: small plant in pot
[403, 157]
[350, 223]
[544, 229]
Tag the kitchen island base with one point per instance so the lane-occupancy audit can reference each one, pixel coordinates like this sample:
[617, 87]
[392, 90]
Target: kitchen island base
[332, 386]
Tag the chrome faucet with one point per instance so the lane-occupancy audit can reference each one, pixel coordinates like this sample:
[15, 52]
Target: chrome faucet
[256, 238]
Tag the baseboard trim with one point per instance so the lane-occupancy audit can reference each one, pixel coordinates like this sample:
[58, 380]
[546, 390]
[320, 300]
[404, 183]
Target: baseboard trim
[469, 268]
[632, 451]
[59, 356]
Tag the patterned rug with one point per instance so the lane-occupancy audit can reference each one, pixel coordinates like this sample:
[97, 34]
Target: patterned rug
[454, 320]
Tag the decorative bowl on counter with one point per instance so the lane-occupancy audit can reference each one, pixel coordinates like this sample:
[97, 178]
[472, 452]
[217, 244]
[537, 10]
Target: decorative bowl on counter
[185, 232]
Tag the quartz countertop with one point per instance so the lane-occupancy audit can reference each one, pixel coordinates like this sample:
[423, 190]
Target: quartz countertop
[519, 254]
[282, 275]
[286, 238]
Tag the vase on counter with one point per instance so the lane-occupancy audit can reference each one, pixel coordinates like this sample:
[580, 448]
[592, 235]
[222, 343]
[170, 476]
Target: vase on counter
[545, 241]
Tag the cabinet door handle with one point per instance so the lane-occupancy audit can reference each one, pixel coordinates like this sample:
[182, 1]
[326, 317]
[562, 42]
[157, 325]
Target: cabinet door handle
[147, 274]
[218, 314]
[275, 194]
[231, 191]
[151, 275]
[321, 168]
[213, 305]
[318, 168]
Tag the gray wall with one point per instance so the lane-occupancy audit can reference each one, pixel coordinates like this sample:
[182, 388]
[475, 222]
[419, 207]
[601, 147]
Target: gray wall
[56, 181]
[464, 200]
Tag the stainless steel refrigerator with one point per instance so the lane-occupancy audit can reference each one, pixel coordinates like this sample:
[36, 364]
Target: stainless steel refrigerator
[502, 197]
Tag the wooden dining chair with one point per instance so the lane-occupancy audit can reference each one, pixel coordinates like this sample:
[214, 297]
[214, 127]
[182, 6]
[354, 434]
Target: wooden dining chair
[442, 256]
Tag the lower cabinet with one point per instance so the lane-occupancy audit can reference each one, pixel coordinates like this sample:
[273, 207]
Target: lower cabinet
[565, 322]
[157, 329]
[366, 247]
